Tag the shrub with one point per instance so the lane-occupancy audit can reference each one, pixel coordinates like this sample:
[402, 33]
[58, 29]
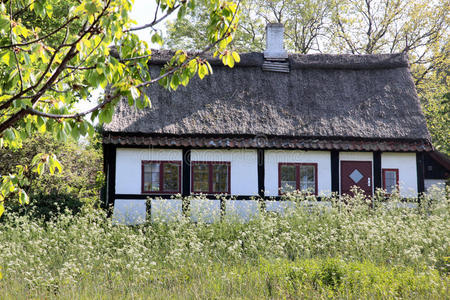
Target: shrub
[80, 182]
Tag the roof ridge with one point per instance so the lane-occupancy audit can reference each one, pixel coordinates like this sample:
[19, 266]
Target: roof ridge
[304, 61]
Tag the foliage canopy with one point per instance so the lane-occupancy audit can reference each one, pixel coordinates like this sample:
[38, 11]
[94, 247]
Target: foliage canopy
[54, 54]
[420, 28]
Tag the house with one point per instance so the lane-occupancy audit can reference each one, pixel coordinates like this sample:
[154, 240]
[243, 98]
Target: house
[436, 169]
[275, 122]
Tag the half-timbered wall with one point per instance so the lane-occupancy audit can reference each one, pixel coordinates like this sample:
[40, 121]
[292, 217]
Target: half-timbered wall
[243, 166]
[129, 164]
[244, 180]
[356, 156]
[407, 169]
[273, 157]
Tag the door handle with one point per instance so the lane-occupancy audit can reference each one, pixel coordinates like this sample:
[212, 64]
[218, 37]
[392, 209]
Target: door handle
[368, 181]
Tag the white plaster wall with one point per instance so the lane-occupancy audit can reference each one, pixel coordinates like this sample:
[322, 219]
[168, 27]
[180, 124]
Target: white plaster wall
[357, 156]
[280, 207]
[273, 157]
[407, 169]
[241, 210]
[244, 168]
[129, 212]
[435, 189]
[434, 183]
[166, 210]
[363, 156]
[129, 162]
[204, 210]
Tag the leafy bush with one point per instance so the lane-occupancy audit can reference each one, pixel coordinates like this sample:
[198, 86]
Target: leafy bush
[80, 181]
[47, 206]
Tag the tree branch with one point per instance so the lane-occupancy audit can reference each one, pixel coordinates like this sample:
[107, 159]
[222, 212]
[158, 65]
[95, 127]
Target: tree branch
[225, 35]
[154, 22]
[14, 50]
[32, 111]
[70, 54]
[41, 38]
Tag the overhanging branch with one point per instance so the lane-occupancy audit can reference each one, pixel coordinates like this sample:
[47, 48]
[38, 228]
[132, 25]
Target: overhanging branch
[154, 22]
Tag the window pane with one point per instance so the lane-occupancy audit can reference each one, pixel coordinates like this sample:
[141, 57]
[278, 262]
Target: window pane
[220, 178]
[171, 177]
[200, 178]
[151, 177]
[390, 179]
[307, 178]
[288, 181]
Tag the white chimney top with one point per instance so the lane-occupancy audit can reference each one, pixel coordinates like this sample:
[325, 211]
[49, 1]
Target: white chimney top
[274, 42]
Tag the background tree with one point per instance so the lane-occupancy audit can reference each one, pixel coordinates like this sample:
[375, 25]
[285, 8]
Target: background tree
[80, 183]
[305, 22]
[44, 73]
[417, 27]
[191, 33]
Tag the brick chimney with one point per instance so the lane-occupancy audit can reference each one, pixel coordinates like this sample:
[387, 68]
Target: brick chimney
[274, 42]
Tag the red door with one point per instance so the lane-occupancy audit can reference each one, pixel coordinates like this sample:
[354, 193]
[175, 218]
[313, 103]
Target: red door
[357, 173]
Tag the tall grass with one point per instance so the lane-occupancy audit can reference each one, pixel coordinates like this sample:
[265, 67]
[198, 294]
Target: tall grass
[348, 250]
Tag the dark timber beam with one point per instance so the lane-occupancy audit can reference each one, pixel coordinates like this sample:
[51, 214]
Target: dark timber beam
[420, 174]
[186, 177]
[335, 171]
[210, 197]
[110, 173]
[105, 189]
[376, 170]
[261, 171]
[261, 176]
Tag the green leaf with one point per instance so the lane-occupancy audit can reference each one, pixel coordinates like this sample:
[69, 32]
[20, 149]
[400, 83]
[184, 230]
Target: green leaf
[49, 9]
[2, 210]
[9, 134]
[236, 56]
[57, 164]
[39, 9]
[156, 38]
[202, 70]
[53, 164]
[174, 82]
[135, 93]
[99, 68]
[26, 58]
[230, 60]
[210, 70]
[40, 168]
[5, 57]
[75, 132]
[4, 24]
[147, 101]
[91, 129]
[91, 7]
[36, 158]
[23, 197]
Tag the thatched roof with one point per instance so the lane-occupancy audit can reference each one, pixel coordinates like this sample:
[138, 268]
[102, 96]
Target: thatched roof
[323, 96]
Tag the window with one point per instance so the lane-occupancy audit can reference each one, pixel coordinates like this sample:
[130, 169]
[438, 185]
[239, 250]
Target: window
[297, 176]
[161, 177]
[211, 177]
[390, 180]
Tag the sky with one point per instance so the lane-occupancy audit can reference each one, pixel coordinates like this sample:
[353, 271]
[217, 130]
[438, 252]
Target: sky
[143, 12]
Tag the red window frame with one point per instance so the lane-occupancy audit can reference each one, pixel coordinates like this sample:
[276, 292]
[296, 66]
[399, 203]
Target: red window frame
[297, 175]
[161, 176]
[210, 183]
[384, 177]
